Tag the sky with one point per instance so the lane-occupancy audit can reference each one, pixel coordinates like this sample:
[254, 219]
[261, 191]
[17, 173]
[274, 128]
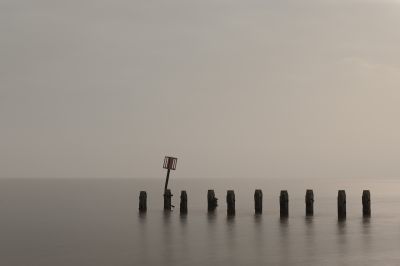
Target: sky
[241, 89]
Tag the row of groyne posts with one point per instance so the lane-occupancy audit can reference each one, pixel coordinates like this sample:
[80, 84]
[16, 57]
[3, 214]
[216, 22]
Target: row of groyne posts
[258, 202]
[170, 164]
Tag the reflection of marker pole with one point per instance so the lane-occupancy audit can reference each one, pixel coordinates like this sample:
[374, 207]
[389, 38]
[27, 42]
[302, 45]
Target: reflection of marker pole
[169, 164]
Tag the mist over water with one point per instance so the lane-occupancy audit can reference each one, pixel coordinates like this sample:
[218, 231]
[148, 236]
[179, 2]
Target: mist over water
[232, 88]
[96, 222]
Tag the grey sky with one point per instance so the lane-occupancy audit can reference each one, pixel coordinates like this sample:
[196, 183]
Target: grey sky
[233, 88]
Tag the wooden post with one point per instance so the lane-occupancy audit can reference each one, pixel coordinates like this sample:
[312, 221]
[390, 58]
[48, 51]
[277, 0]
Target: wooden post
[183, 206]
[309, 202]
[366, 201]
[167, 200]
[341, 204]
[211, 200]
[230, 201]
[284, 203]
[258, 201]
[142, 202]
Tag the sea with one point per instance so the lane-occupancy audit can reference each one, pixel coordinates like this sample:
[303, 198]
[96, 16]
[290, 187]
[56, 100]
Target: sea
[73, 222]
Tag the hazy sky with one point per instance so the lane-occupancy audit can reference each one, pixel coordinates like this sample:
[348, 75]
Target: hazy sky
[232, 88]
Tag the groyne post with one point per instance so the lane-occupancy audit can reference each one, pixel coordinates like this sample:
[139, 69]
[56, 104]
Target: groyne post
[309, 202]
[143, 202]
[366, 202]
[230, 201]
[183, 205]
[167, 200]
[341, 204]
[258, 201]
[212, 201]
[284, 204]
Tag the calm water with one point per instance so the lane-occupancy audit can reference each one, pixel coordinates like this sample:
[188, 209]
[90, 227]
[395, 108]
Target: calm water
[95, 222]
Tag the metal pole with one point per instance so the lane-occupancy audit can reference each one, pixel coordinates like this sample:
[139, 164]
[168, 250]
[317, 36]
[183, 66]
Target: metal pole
[166, 182]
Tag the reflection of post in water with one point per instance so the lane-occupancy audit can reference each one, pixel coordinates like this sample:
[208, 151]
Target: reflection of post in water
[258, 232]
[166, 239]
[232, 240]
[211, 233]
[310, 240]
[169, 164]
[366, 235]
[143, 246]
[285, 249]
[341, 238]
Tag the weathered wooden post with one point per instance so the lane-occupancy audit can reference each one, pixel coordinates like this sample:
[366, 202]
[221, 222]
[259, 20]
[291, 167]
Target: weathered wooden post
[143, 202]
[230, 201]
[309, 202]
[211, 200]
[366, 201]
[341, 204]
[183, 206]
[169, 164]
[284, 203]
[167, 200]
[258, 201]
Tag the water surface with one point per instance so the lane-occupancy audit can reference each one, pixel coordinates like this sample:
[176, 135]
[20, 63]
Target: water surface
[96, 222]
